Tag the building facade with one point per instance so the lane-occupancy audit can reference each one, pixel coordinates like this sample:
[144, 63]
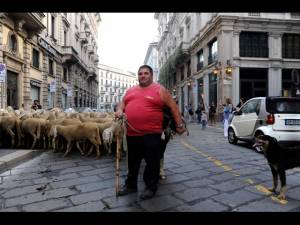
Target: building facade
[151, 59]
[57, 55]
[113, 84]
[208, 57]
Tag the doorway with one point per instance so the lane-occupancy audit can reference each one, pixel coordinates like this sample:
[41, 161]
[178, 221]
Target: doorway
[12, 89]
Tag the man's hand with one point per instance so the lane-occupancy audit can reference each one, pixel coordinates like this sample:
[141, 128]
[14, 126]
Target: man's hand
[180, 130]
[118, 114]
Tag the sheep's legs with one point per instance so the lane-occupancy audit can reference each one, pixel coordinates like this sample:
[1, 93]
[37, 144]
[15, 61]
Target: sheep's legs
[34, 141]
[78, 146]
[91, 150]
[11, 133]
[69, 147]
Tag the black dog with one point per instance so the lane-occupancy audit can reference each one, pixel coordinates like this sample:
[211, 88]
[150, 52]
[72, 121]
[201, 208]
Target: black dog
[280, 159]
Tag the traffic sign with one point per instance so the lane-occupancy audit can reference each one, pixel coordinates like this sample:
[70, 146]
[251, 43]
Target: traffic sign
[2, 72]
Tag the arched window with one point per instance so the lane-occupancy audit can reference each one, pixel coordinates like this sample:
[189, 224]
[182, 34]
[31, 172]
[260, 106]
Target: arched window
[13, 43]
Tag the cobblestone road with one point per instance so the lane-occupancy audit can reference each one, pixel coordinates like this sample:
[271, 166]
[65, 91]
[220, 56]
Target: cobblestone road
[204, 173]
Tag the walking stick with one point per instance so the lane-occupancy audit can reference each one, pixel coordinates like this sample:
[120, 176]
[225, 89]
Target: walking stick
[117, 166]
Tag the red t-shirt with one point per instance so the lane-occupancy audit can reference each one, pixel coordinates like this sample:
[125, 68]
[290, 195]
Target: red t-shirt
[143, 108]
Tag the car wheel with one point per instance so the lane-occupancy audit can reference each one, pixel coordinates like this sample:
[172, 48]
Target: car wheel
[258, 148]
[231, 136]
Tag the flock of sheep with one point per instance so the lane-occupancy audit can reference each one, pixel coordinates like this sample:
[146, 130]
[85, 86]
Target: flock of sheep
[59, 130]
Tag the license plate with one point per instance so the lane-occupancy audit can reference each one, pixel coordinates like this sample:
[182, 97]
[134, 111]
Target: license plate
[292, 122]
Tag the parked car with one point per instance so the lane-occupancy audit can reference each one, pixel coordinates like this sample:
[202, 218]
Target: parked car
[278, 117]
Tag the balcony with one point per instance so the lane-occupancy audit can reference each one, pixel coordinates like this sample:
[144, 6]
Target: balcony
[30, 21]
[96, 58]
[90, 49]
[82, 37]
[70, 55]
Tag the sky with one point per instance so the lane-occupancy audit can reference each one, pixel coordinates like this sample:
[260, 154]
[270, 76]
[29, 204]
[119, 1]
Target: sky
[124, 39]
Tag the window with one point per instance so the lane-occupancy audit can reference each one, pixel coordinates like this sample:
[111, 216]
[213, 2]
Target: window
[52, 26]
[174, 79]
[291, 46]
[213, 87]
[200, 60]
[65, 74]
[213, 52]
[35, 58]
[254, 44]
[182, 73]
[189, 68]
[13, 43]
[252, 106]
[51, 67]
[65, 38]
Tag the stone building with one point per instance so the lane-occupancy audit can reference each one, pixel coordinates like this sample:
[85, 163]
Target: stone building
[113, 84]
[213, 56]
[151, 59]
[55, 59]
[18, 37]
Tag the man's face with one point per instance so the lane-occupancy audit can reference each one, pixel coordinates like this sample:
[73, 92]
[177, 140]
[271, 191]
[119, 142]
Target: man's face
[145, 77]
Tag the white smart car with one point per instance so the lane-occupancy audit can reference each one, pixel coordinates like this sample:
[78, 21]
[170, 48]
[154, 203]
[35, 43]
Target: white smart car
[278, 117]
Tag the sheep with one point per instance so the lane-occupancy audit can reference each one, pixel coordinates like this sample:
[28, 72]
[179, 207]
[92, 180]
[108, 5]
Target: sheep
[96, 120]
[76, 132]
[32, 126]
[116, 129]
[8, 123]
[102, 127]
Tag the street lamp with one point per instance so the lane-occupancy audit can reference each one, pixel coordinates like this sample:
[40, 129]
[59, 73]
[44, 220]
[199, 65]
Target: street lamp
[218, 72]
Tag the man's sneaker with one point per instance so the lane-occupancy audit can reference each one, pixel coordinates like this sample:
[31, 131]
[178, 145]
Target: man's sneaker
[162, 177]
[147, 194]
[126, 190]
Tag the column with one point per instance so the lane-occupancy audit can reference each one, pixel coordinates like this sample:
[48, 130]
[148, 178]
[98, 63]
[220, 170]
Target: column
[2, 91]
[58, 78]
[44, 88]
[26, 77]
[274, 82]
[235, 71]
[274, 73]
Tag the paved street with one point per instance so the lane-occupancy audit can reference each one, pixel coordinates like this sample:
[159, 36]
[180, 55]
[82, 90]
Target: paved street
[204, 173]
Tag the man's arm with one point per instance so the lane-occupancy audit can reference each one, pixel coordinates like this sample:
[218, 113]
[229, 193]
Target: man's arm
[169, 102]
[120, 109]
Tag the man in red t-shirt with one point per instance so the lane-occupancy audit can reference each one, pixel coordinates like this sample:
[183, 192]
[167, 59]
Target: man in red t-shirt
[143, 106]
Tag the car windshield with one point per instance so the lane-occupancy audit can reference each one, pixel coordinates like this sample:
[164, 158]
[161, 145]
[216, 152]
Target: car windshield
[284, 105]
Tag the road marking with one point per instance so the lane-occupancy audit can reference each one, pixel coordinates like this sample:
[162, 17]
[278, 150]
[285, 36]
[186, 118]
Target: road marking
[227, 168]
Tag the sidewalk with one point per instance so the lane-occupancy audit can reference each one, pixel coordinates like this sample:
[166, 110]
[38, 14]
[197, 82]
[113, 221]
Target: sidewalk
[12, 157]
[218, 125]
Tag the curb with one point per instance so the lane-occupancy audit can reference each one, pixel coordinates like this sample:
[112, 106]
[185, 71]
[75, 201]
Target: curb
[10, 160]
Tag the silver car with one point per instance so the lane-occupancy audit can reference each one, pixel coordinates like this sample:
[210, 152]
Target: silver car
[278, 117]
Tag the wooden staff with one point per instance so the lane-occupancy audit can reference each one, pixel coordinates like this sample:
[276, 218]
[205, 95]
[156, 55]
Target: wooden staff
[117, 165]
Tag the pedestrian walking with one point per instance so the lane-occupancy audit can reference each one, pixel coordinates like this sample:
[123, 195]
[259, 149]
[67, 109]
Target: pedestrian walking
[199, 110]
[203, 119]
[241, 102]
[226, 113]
[144, 130]
[191, 113]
